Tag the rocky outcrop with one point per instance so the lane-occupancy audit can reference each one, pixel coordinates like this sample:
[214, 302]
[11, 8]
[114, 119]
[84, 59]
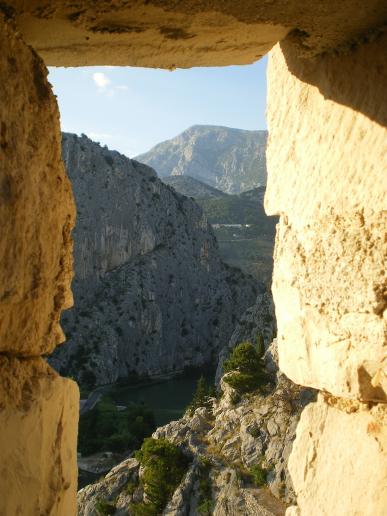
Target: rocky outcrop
[231, 160]
[224, 443]
[152, 295]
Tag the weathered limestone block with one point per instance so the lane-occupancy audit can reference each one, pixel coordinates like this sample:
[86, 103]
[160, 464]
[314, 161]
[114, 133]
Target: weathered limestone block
[339, 459]
[38, 421]
[327, 162]
[170, 34]
[36, 205]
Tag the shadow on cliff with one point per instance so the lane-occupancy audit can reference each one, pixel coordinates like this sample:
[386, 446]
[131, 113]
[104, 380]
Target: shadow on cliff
[346, 77]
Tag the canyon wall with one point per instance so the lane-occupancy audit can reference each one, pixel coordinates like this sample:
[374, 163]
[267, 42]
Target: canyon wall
[152, 295]
[327, 162]
[38, 409]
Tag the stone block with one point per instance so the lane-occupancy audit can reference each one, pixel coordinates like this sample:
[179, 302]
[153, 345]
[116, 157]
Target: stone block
[339, 459]
[327, 162]
[36, 205]
[38, 420]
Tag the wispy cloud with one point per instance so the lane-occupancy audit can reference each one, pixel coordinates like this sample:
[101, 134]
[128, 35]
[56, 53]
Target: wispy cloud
[101, 80]
[105, 84]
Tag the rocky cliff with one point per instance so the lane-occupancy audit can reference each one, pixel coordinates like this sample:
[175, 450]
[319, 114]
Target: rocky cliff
[232, 160]
[225, 443]
[152, 295]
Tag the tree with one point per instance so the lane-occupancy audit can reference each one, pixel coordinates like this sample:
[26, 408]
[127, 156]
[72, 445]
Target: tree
[247, 368]
[164, 466]
[202, 395]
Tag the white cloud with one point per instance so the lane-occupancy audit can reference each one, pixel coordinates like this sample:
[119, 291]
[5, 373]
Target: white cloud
[122, 87]
[101, 80]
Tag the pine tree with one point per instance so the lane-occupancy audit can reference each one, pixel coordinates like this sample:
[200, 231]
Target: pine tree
[201, 395]
[247, 366]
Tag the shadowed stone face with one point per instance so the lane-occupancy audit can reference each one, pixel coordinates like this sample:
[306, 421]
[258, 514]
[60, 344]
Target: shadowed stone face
[36, 206]
[168, 34]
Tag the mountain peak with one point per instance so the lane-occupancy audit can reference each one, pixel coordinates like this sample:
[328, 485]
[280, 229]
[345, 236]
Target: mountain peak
[228, 159]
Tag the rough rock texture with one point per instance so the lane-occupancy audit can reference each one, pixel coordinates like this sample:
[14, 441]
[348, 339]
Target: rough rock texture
[231, 160]
[152, 295]
[38, 421]
[329, 280]
[168, 34]
[36, 206]
[112, 487]
[38, 409]
[352, 482]
[230, 437]
[327, 180]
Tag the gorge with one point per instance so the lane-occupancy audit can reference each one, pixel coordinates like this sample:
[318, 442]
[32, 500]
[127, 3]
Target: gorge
[152, 295]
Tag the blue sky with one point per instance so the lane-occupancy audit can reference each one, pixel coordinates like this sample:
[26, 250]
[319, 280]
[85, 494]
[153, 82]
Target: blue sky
[132, 109]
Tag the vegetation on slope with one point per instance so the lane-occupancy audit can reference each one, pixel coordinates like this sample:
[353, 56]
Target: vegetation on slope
[202, 396]
[164, 466]
[105, 428]
[246, 368]
[238, 209]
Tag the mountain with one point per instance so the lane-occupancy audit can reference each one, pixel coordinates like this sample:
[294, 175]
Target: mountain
[152, 295]
[231, 160]
[191, 187]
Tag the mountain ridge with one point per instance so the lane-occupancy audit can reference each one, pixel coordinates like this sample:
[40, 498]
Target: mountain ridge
[229, 159]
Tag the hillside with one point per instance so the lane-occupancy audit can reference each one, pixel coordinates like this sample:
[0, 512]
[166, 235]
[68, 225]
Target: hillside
[238, 209]
[244, 232]
[191, 187]
[152, 295]
[231, 160]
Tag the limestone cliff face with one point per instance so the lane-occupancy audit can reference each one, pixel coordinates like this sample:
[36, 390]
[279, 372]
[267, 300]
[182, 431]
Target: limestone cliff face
[151, 293]
[231, 160]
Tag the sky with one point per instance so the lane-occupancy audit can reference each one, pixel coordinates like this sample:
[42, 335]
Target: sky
[132, 109]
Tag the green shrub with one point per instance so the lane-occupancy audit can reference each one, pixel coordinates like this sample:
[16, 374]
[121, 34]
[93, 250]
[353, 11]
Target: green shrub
[205, 504]
[144, 509]
[247, 368]
[206, 507]
[106, 429]
[104, 508]
[130, 487]
[164, 466]
[259, 475]
[202, 395]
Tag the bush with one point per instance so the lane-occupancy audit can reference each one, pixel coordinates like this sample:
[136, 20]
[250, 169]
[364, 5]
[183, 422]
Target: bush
[106, 429]
[164, 466]
[259, 475]
[205, 505]
[104, 508]
[202, 396]
[247, 368]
